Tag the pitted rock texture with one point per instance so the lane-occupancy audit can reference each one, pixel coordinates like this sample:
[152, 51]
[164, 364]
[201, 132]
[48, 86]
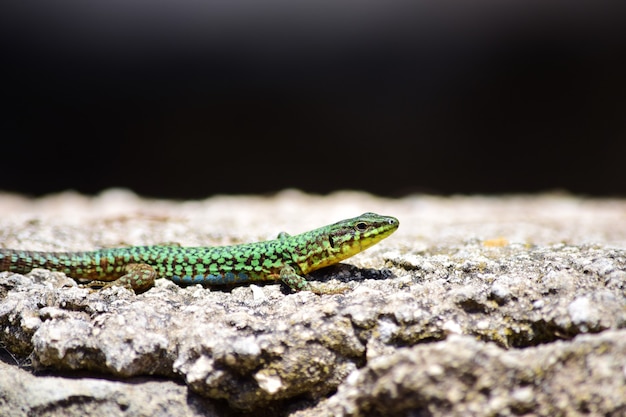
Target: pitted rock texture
[475, 306]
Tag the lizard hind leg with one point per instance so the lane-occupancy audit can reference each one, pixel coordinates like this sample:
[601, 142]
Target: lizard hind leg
[138, 278]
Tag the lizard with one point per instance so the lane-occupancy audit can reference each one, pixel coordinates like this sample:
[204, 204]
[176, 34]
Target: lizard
[287, 258]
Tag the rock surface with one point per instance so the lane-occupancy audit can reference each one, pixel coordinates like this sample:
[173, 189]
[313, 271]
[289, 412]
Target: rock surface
[512, 305]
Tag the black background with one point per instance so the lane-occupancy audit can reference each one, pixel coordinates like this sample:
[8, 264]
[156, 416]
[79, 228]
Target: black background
[186, 99]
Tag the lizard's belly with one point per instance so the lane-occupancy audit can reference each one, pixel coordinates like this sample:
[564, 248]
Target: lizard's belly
[224, 278]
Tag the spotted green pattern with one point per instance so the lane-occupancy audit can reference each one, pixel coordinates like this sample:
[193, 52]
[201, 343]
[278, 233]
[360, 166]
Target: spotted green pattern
[287, 258]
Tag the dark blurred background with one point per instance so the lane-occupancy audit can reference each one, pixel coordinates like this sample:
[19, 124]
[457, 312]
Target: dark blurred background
[186, 99]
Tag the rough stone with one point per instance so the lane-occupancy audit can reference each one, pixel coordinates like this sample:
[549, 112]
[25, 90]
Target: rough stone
[475, 306]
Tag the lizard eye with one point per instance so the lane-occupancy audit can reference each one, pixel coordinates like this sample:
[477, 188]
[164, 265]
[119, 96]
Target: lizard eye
[361, 226]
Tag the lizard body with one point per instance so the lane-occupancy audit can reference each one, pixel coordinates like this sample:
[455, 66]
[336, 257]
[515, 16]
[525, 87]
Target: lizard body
[287, 258]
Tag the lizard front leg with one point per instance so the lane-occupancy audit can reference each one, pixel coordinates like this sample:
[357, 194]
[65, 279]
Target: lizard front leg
[296, 282]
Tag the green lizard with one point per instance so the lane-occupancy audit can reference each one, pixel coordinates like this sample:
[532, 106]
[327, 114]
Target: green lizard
[286, 258]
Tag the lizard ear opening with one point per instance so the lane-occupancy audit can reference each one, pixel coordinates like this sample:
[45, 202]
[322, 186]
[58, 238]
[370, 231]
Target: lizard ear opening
[331, 241]
[361, 226]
